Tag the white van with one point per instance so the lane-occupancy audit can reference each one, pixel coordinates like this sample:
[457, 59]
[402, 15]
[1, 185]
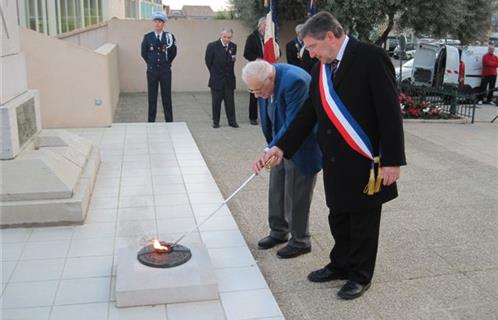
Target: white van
[436, 65]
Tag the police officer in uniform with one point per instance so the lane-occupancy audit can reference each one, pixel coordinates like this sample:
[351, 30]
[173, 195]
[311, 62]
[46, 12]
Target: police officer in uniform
[158, 51]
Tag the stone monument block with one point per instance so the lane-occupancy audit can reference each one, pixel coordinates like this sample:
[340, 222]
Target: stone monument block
[20, 121]
[47, 177]
[140, 285]
[9, 30]
[13, 80]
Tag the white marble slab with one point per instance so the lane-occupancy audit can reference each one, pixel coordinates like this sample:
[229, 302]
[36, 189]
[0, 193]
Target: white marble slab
[140, 285]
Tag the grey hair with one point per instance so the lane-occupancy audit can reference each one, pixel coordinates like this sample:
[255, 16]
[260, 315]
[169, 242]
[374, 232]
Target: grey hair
[261, 21]
[258, 69]
[321, 23]
[226, 30]
[299, 27]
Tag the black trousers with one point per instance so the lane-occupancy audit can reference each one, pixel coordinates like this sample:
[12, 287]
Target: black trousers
[253, 107]
[154, 80]
[226, 95]
[487, 80]
[356, 236]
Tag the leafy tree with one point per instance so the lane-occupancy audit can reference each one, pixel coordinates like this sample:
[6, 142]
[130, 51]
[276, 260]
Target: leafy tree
[373, 20]
[479, 13]
[250, 11]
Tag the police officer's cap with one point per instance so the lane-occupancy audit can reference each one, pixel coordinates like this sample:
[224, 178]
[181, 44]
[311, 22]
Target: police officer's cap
[158, 15]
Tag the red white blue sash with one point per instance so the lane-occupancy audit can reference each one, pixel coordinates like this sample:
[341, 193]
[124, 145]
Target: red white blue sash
[346, 125]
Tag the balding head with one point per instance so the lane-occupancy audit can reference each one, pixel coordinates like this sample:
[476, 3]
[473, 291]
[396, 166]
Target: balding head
[259, 77]
[262, 25]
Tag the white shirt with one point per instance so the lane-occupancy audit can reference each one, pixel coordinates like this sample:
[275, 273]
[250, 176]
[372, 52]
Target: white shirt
[159, 34]
[340, 54]
[223, 43]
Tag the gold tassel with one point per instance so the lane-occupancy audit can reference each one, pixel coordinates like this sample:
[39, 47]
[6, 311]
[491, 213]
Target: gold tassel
[378, 180]
[374, 184]
[371, 182]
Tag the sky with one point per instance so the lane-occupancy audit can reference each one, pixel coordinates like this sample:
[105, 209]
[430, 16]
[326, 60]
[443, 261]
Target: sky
[216, 5]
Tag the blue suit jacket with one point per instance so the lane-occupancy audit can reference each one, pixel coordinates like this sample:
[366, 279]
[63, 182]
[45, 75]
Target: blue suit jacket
[290, 92]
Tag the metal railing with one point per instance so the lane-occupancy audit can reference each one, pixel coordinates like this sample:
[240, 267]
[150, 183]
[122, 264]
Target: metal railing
[450, 100]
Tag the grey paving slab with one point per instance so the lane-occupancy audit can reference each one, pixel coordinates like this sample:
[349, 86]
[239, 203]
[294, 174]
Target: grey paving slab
[437, 250]
[390, 300]
[478, 312]
[325, 305]
[471, 257]
[487, 280]
[451, 291]
[398, 265]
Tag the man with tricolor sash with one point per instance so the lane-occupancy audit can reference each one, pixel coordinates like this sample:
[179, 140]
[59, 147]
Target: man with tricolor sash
[354, 100]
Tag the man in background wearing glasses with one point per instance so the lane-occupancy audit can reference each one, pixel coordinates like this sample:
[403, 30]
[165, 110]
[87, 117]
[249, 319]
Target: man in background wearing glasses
[281, 90]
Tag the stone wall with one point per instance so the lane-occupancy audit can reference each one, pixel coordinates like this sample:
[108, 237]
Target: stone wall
[78, 86]
[189, 70]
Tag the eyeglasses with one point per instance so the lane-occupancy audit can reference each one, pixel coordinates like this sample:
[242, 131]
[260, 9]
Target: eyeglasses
[259, 89]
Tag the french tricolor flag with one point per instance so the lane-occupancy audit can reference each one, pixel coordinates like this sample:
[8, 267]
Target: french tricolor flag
[271, 50]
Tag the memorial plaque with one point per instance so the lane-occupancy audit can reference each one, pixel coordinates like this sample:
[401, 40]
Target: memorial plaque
[26, 121]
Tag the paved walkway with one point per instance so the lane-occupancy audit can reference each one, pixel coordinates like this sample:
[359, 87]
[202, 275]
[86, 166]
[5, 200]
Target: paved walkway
[438, 256]
[153, 183]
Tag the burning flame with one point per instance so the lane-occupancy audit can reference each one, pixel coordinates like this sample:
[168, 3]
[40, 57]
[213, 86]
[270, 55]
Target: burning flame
[159, 247]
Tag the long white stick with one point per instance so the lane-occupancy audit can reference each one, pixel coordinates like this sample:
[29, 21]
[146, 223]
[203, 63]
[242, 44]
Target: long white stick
[215, 211]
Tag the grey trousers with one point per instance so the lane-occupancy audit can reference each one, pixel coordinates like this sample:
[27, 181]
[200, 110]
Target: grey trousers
[290, 195]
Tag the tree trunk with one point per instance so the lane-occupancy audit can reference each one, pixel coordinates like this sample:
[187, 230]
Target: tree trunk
[385, 34]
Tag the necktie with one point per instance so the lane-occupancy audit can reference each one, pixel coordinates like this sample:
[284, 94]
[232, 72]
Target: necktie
[158, 37]
[333, 68]
[226, 48]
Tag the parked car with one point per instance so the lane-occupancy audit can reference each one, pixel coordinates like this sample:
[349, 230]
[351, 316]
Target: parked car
[408, 54]
[391, 44]
[436, 66]
[406, 71]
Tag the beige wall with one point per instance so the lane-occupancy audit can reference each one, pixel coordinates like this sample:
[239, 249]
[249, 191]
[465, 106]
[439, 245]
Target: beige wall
[110, 52]
[70, 78]
[91, 38]
[189, 70]
[116, 8]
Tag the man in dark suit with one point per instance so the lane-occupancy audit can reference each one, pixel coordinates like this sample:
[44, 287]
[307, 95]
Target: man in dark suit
[297, 54]
[354, 100]
[158, 52]
[253, 50]
[220, 59]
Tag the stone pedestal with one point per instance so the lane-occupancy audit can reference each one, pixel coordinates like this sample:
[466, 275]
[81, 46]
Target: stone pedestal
[50, 182]
[140, 285]
[47, 175]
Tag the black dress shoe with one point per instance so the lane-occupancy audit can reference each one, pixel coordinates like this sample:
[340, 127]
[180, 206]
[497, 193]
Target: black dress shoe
[352, 290]
[288, 252]
[216, 126]
[325, 274]
[269, 242]
[234, 125]
[254, 122]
